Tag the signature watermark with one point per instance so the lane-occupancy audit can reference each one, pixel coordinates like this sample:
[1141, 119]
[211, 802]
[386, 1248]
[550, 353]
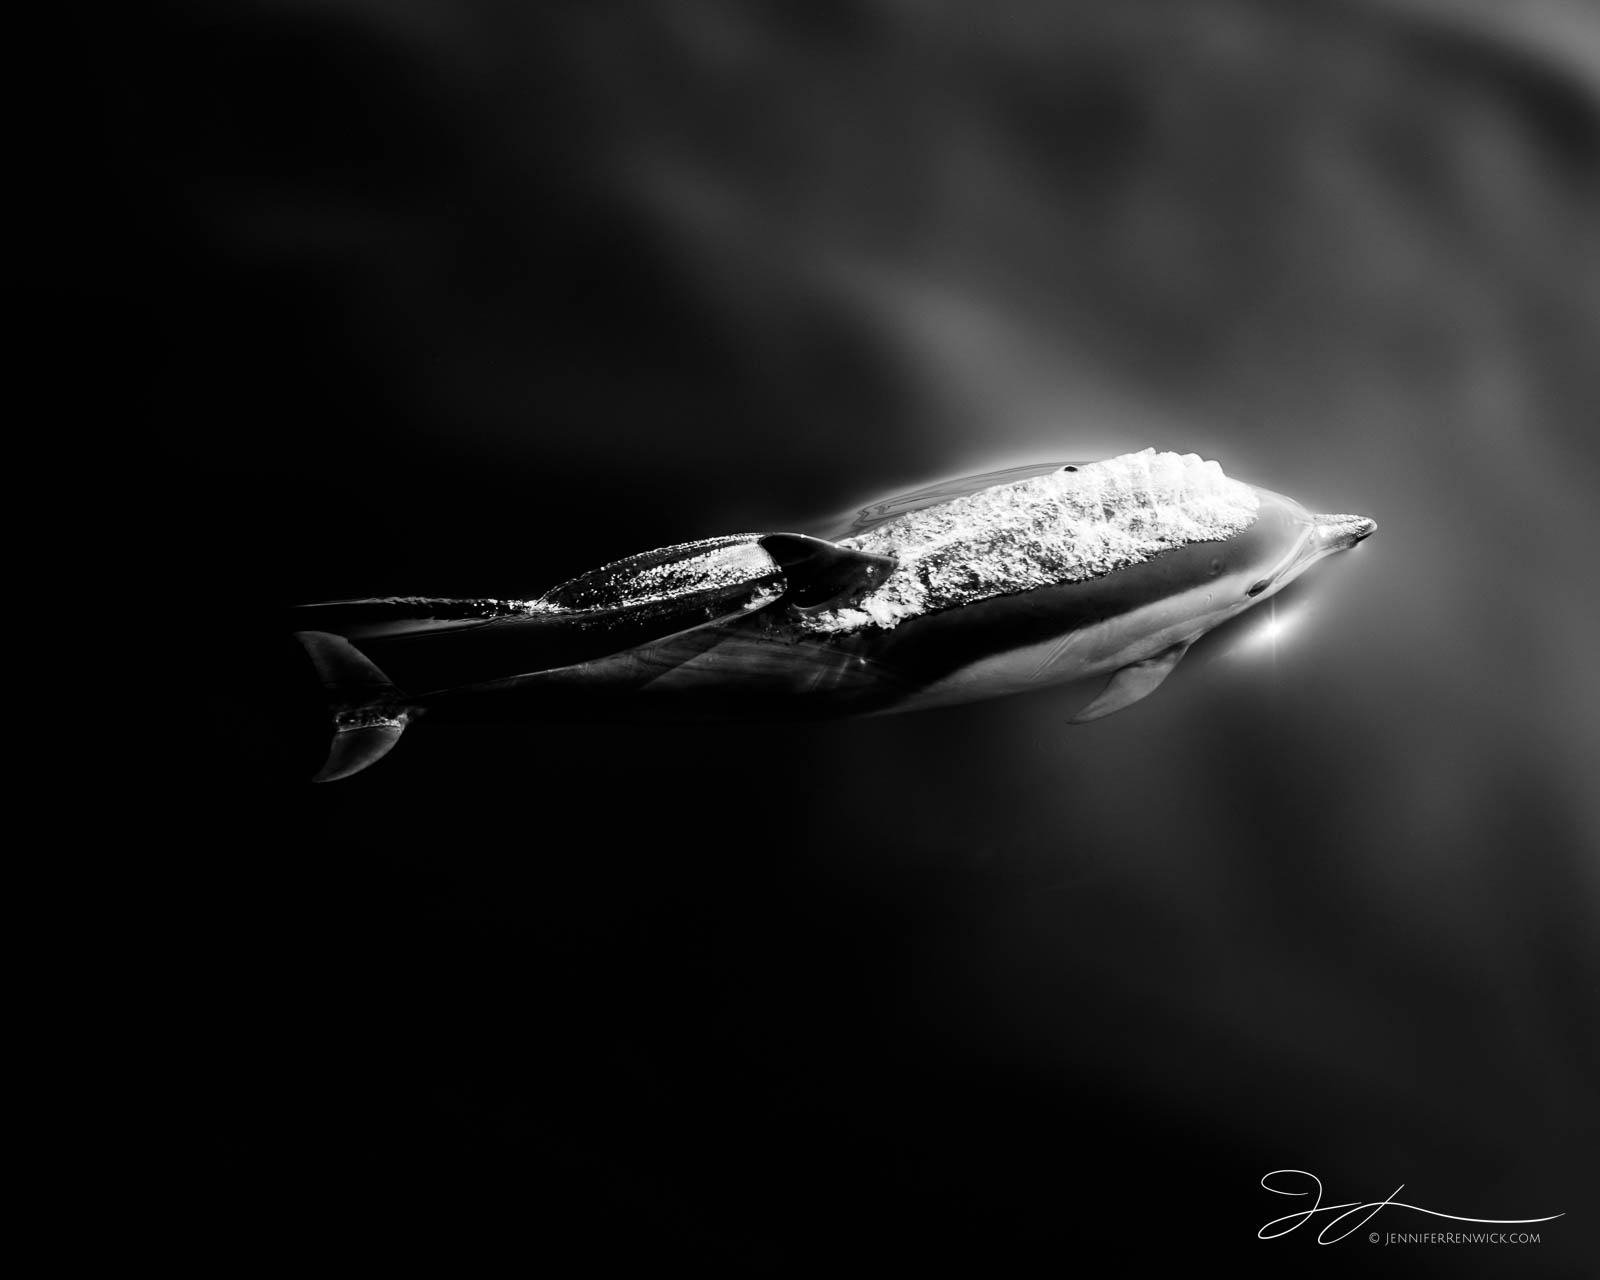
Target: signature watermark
[1297, 1182]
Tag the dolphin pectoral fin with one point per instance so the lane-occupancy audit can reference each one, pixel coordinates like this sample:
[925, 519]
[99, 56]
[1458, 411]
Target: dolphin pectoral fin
[1135, 681]
[822, 574]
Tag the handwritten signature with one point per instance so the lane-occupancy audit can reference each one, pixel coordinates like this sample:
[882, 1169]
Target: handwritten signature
[1299, 1219]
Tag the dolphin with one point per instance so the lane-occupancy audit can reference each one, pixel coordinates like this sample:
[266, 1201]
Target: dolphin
[1099, 573]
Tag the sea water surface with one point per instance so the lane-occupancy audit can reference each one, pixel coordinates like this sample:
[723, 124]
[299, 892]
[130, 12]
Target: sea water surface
[495, 295]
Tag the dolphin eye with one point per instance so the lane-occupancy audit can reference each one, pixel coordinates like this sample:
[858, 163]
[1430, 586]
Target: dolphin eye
[1216, 565]
[1258, 588]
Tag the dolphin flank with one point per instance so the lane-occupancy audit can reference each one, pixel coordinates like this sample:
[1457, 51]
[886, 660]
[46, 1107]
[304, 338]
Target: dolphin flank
[975, 588]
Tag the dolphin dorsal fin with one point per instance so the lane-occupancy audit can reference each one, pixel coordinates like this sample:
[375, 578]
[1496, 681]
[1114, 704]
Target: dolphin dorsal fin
[1132, 682]
[822, 574]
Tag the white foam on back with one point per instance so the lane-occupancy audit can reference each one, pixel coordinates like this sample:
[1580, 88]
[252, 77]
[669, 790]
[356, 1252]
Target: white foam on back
[1067, 526]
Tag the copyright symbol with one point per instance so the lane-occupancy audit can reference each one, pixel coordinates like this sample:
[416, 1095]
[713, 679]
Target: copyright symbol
[1373, 1236]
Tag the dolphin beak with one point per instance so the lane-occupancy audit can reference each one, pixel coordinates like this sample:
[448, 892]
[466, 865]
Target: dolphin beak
[1340, 533]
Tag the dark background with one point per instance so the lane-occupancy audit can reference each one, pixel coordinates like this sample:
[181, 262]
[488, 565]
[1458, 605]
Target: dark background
[466, 298]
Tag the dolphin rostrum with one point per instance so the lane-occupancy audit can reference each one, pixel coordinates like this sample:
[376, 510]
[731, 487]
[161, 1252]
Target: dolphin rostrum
[994, 584]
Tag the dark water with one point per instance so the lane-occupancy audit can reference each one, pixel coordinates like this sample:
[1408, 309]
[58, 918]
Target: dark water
[465, 299]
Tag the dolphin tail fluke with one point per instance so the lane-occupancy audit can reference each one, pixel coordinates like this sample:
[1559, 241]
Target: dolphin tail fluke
[1135, 681]
[369, 713]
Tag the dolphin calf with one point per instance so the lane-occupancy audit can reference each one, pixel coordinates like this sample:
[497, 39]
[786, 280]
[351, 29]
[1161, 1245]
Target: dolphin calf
[1101, 572]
